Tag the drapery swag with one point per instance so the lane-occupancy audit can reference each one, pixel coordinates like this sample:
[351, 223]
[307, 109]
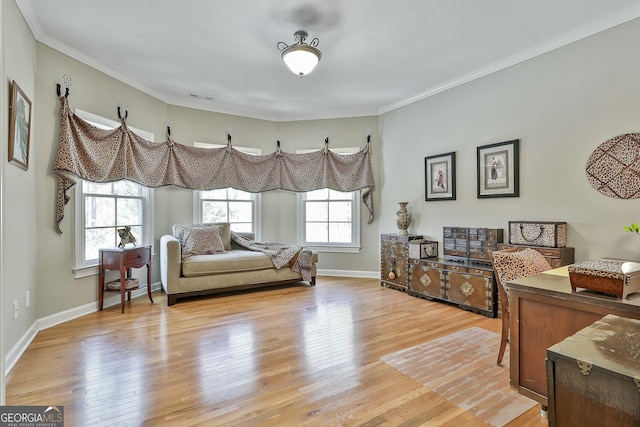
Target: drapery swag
[98, 155]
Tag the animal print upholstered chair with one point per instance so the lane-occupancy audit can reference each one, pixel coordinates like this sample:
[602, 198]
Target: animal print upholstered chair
[512, 264]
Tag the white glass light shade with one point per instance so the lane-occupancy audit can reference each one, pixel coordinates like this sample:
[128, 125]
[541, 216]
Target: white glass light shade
[301, 60]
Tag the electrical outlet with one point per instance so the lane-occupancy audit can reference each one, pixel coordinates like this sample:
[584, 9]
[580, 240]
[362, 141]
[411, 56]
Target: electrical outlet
[26, 300]
[15, 310]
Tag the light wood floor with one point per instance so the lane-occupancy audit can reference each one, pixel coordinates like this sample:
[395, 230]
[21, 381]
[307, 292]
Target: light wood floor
[285, 356]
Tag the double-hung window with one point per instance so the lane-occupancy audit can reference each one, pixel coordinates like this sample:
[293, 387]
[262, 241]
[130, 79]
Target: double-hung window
[102, 208]
[329, 220]
[239, 208]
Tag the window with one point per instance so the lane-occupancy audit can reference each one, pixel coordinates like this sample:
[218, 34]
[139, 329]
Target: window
[102, 208]
[329, 220]
[228, 205]
[237, 207]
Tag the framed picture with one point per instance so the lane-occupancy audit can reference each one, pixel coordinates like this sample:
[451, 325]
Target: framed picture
[498, 170]
[19, 127]
[440, 177]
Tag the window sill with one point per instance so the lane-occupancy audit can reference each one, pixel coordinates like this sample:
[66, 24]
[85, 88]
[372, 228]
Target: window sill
[336, 249]
[85, 271]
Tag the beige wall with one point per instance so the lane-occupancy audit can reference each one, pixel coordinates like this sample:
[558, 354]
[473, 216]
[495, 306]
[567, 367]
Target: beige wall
[561, 105]
[18, 192]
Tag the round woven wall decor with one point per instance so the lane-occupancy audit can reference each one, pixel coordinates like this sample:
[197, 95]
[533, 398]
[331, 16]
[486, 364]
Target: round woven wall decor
[614, 167]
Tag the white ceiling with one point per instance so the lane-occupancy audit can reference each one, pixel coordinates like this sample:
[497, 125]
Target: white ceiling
[377, 55]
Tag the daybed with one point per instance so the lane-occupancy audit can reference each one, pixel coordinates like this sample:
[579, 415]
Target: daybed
[209, 258]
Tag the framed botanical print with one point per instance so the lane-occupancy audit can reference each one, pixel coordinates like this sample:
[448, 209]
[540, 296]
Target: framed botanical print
[19, 127]
[498, 170]
[440, 177]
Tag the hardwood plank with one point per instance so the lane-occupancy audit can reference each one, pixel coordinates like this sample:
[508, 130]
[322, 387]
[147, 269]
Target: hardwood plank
[287, 355]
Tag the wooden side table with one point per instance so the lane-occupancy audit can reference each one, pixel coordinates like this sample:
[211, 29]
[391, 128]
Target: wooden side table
[123, 260]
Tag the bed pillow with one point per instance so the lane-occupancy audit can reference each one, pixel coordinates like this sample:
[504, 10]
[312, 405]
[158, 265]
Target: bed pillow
[202, 241]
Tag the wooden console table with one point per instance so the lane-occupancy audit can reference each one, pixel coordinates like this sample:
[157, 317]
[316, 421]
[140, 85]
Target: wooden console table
[123, 260]
[544, 311]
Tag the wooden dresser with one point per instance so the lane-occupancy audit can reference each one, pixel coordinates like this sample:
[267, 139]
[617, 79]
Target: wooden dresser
[394, 260]
[543, 312]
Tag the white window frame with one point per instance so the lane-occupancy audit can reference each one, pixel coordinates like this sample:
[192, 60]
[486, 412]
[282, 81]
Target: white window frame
[255, 197]
[84, 268]
[354, 245]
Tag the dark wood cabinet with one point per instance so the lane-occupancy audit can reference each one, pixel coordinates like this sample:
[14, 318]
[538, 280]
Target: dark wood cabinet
[593, 377]
[470, 286]
[394, 260]
[470, 244]
[557, 257]
[456, 242]
[481, 241]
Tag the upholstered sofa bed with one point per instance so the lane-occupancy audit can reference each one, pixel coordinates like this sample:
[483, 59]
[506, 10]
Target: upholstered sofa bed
[200, 259]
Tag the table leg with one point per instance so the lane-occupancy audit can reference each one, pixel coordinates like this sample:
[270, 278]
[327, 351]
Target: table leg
[149, 281]
[123, 282]
[129, 276]
[100, 288]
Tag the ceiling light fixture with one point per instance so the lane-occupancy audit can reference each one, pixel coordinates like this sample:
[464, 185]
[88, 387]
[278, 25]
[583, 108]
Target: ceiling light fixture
[301, 58]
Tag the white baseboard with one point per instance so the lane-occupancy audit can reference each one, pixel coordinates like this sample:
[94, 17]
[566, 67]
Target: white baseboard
[349, 273]
[16, 351]
[64, 316]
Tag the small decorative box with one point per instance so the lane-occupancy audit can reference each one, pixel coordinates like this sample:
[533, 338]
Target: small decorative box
[423, 249]
[611, 276]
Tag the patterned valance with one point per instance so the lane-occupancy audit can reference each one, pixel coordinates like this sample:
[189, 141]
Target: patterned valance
[98, 155]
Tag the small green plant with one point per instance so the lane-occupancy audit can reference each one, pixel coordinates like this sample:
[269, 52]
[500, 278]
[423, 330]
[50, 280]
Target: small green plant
[633, 228]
